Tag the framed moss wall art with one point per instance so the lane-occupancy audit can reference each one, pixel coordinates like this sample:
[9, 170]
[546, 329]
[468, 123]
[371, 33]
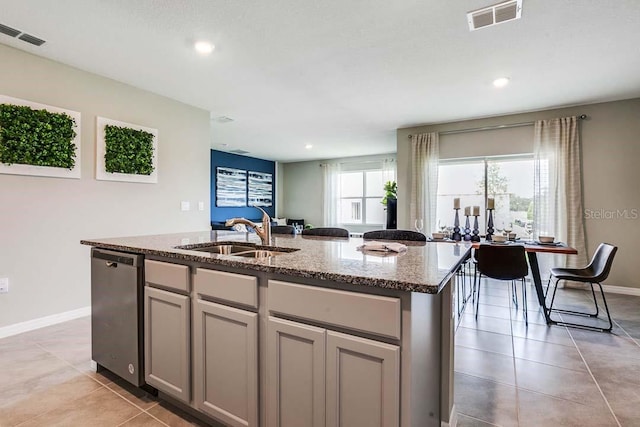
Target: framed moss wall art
[126, 152]
[39, 139]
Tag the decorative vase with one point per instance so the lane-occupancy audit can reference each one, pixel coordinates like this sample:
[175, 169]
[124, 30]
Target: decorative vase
[392, 214]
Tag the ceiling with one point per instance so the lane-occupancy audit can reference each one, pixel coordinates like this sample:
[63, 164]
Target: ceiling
[341, 75]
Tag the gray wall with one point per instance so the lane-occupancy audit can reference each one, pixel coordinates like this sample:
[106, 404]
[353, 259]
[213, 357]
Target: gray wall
[302, 189]
[42, 220]
[302, 192]
[610, 149]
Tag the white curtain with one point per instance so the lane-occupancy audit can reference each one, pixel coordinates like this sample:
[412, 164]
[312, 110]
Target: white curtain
[558, 209]
[388, 170]
[330, 194]
[424, 180]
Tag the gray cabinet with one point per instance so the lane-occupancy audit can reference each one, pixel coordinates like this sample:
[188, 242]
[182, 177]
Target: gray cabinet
[318, 377]
[167, 342]
[363, 386]
[295, 374]
[226, 363]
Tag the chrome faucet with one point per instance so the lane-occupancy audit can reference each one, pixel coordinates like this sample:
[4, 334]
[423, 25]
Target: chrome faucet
[264, 233]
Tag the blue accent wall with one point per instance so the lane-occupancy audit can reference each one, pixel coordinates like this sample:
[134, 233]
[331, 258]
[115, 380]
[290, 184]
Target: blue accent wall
[220, 158]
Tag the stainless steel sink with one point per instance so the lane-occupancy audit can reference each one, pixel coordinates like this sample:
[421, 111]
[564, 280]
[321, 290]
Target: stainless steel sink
[243, 250]
[225, 249]
[259, 253]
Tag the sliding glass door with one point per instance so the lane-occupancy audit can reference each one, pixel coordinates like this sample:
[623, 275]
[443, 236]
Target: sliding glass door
[508, 180]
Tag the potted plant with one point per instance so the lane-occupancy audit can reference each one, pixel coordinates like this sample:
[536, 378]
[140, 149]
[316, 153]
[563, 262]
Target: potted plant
[390, 200]
[390, 192]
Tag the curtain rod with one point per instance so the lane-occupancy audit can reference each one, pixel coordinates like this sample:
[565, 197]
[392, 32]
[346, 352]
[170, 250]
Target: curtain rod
[390, 159]
[512, 125]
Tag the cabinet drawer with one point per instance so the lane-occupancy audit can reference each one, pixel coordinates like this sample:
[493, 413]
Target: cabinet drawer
[224, 286]
[361, 312]
[164, 274]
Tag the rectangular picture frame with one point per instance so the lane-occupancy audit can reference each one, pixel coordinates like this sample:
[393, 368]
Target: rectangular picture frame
[260, 189]
[231, 187]
[102, 174]
[47, 171]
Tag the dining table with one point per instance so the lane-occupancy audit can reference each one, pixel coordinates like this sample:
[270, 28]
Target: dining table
[532, 249]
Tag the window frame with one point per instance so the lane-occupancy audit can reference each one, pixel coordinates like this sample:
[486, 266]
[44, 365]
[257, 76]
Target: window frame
[485, 160]
[362, 171]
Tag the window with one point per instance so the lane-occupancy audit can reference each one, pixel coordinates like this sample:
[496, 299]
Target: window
[509, 180]
[360, 195]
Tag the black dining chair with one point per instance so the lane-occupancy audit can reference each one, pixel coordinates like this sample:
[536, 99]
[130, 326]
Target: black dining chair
[283, 229]
[394, 235]
[503, 262]
[596, 272]
[326, 231]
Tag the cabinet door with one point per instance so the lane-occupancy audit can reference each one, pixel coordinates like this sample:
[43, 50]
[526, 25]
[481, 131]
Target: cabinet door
[226, 363]
[166, 342]
[295, 374]
[362, 382]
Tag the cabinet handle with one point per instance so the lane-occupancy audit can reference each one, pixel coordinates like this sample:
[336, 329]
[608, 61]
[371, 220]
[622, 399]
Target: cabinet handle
[112, 264]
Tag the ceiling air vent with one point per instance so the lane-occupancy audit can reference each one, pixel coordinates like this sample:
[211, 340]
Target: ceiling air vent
[31, 39]
[493, 15]
[11, 32]
[239, 151]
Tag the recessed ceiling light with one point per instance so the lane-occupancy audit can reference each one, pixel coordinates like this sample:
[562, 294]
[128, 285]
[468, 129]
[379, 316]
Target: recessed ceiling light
[203, 48]
[501, 82]
[308, 146]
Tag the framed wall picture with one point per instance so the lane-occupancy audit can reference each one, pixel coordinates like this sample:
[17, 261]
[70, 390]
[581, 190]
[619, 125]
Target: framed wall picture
[126, 152]
[260, 189]
[38, 139]
[231, 187]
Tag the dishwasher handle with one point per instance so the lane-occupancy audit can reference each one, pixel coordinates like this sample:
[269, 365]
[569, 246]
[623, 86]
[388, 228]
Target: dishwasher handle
[114, 258]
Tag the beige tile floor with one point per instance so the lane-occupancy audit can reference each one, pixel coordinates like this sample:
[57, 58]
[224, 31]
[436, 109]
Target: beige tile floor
[46, 380]
[505, 374]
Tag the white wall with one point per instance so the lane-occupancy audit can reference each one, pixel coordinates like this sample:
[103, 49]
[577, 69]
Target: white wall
[610, 153]
[42, 220]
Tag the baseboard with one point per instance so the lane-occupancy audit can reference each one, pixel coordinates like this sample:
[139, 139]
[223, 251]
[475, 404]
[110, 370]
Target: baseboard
[624, 290]
[453, 418]
[30, 325]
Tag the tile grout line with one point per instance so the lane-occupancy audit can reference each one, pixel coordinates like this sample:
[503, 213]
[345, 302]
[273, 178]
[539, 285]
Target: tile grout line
[513, 353]
[72, 366]
[129, 419]
[102, 385]
[626, 333]
[146, 413]
[485, 379]
[594, 379]
[45, 413]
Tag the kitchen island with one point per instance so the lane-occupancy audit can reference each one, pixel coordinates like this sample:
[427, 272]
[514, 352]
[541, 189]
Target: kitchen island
[320, 333]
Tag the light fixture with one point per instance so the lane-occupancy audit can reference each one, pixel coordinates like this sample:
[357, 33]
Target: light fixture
[203, 48]
[308, 146]
[501, 82]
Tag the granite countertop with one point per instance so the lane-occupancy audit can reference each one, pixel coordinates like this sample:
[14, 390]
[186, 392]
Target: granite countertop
[424, 267]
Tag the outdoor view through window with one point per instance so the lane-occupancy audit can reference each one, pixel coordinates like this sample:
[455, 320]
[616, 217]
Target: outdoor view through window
[509, 180]
[361, 193]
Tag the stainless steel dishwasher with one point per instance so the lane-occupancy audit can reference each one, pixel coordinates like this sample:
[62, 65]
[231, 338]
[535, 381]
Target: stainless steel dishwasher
[116, 313]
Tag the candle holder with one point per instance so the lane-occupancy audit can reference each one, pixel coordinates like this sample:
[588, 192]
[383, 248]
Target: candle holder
[476, 236]
[456, 236]
[467, 229]
[490, 229]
